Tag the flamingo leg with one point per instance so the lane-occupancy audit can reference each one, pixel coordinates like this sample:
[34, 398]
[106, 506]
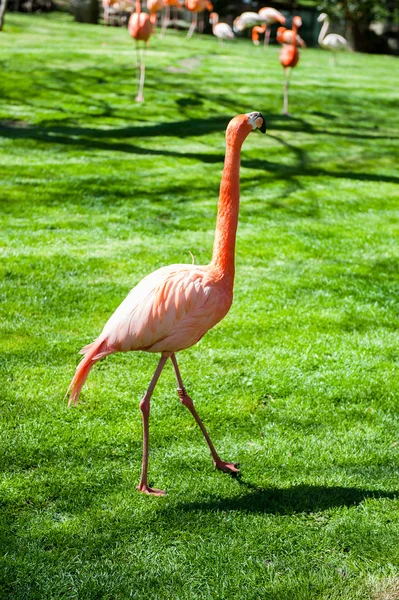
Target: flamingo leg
[175, 17]
[286, 85]
[138, 63]
[186, 400]
[140, 95]
[145, 412]
[165, 21]
[201, 23]
[267, 37]
[193, 25]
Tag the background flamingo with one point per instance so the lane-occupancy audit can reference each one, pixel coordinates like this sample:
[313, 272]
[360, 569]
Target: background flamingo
[173, 307]
[245, 21]
[154, 6]
[140, 28]
[333, 42]
[222, 31]
[286, 36]
[197, 6]
[166, 17]
[269, 16]
[289, 57]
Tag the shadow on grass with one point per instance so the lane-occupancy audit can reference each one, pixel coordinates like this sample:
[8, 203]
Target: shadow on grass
[106, 140]
[285, 501]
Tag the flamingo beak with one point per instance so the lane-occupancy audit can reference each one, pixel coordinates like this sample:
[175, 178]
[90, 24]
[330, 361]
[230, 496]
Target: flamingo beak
[257, 121]
[262, 126]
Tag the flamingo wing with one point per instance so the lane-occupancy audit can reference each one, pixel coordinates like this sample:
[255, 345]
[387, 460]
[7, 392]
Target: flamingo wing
[335, 42]
[169, 310]
[223, 30]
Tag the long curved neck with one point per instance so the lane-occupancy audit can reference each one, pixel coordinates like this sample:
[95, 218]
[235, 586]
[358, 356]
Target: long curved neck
[229, 201]
[323, 31]
[215, 22]
[138, 7]
[295, 35]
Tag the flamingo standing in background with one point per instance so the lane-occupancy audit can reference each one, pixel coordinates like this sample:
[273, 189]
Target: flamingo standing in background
[173, 307]
[289, 57]
[268, 16]
[222, 31]
[245, 21]
[196, 6]
[333, 42]
[286, 36]
[154, 6]
[166, 17]
[140, 28]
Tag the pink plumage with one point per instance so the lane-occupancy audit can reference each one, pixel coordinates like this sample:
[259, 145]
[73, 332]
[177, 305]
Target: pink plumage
[173, 307]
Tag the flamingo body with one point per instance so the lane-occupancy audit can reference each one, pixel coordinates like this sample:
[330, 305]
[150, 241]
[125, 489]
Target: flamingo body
[222, 31]
[140, 26]
[198, 6]
[332, 41]
[289, 56]
[154, 6]
[169, 310]
[245, 21]
[173, 307]
[286, 36]
[270, 16]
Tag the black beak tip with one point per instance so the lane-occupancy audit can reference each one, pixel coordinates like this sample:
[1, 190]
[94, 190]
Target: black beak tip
[262, 128]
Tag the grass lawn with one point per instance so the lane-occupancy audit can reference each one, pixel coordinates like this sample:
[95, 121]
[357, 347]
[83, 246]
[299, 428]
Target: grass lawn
[300, 382]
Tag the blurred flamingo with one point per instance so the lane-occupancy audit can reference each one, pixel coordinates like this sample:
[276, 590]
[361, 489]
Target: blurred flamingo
[269, 16]
[197, 6]
[245, 21]
[222, 31]
[173, 307]
[154, 6]
[286, 36]
[333, 42]
[140, 28]
[166, 17]
[289, 57]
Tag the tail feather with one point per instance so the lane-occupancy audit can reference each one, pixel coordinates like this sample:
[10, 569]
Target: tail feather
[93, 352]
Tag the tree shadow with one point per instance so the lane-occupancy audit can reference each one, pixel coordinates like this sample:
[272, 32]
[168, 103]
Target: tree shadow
[118, 139]
[285, 501]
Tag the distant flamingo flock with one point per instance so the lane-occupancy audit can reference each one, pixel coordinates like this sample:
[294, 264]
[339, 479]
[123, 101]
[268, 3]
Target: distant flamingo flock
[142, 25]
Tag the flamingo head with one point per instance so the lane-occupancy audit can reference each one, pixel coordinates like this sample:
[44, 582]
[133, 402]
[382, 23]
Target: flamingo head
[213, 18]
[297, 21]
[322, 17]
[257, 121]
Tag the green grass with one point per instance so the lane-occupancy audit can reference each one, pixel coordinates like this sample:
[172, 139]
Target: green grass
[299, 384]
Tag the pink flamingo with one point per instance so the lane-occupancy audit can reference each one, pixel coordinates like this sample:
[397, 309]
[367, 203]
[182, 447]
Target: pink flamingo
[286, 36]
[289, 57]
[197, 6]
[166, 18]
[173, 307]
[154, 6]
[268, 16]
[140, 28]
[222, 31]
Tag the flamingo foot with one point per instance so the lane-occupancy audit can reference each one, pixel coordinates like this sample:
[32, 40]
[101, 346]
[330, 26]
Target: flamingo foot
[139, 98]
[145, 489]
[227, 467]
